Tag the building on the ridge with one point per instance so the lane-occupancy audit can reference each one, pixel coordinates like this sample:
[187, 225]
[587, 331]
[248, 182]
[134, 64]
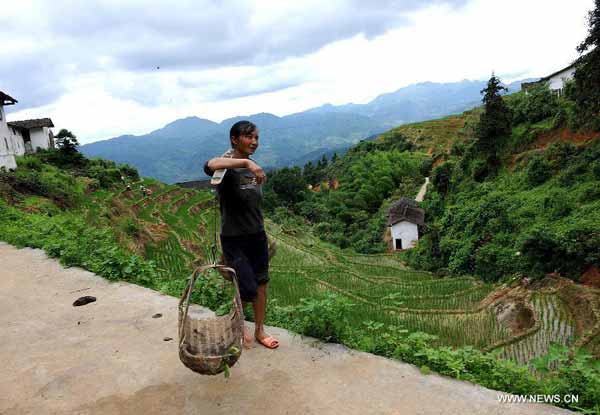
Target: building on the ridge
[36, 133]
[404, 219]
[556, 81]
[21, 137]
[10, 145]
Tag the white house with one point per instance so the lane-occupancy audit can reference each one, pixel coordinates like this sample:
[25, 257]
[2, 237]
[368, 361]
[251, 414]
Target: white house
[20, 137]
[36, 134]
[9, 144]
[404, 218]
[555, 81]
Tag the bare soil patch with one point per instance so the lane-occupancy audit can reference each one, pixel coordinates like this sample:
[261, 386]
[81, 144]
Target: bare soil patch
[565, 135]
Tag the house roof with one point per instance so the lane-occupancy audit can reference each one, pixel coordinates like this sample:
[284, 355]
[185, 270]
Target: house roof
[526, 85]
[545, 78]
[28, 124]
[6, 99]
[405, 209]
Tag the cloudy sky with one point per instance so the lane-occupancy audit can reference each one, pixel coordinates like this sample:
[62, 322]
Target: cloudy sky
[102, 68]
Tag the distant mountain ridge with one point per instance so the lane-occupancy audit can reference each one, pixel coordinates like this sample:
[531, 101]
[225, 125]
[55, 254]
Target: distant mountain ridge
[176, 152]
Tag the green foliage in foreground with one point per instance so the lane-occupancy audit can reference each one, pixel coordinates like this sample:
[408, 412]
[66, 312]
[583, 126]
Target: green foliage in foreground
[324, 317]
[66, 236]
[69, 236]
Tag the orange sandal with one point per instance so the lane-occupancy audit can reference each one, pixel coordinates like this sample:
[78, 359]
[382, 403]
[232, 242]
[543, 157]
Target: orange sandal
[269, 342]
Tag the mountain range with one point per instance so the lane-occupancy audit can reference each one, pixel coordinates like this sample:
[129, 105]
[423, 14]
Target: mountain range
[176, 152]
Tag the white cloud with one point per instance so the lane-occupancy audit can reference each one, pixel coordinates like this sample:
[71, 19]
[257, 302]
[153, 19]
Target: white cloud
[288, 59]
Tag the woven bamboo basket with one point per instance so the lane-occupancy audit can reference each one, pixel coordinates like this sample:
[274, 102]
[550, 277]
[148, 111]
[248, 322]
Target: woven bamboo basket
[209, 345]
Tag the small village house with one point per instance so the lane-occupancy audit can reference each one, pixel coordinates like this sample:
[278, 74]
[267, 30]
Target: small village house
[21, 137]
[404, 219]
[556, 81]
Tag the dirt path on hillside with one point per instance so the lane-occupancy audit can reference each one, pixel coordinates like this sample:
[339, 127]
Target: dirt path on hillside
[422, 191]
[110, 357]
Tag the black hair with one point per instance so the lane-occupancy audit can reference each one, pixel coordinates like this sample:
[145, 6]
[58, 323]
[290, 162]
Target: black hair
[241, 128]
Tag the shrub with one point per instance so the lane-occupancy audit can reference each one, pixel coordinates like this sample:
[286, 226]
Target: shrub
[442, 175]
[480, 170]
[571, 174]
[30, 162]
[131, 227]
[129, 172]
[458, 149]
[538, 170]
[107, 177]
[589, 193]
[560, 154]
[323, 317]
[596, 169]
[536, 105]
[426, 167]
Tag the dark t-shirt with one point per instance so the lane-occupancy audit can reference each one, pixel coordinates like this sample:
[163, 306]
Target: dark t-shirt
[240, 198]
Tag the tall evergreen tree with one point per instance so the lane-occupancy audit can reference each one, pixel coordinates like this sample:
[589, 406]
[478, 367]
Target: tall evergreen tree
[310, 173]
[587, 72]
[495, 122]
[323, 162]
[66, 141]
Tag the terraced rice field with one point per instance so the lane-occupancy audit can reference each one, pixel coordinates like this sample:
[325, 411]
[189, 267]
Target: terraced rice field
[384, 290]
[556, 325]
[381, 288]
[172, 216]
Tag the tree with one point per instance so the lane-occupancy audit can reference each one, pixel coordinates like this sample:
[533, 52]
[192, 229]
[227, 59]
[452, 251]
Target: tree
[323, 162]
[66, 141]
[495, 122]
[587, 72]
[310, 173]
[288, 184]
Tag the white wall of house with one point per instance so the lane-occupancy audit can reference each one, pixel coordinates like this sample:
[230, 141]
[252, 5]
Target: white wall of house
[17, 141]
[7, 150]
[557, 82]
[11, 143]
[40, 137]
[406, 231]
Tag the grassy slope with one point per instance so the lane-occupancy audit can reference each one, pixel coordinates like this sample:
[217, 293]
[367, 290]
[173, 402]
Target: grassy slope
[173, 227]
[437, 136]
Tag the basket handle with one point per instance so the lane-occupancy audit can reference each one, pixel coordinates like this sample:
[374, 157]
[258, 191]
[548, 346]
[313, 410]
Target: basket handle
[184, 302]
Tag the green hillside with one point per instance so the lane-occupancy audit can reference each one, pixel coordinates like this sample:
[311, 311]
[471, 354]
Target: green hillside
[83, 214]
[532, 211]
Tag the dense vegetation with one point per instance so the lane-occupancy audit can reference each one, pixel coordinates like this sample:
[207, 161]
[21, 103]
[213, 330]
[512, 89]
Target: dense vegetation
[349, 196]
[535, 213]
[515, 183]
[587, 77]
[516, 194]
[82, 213]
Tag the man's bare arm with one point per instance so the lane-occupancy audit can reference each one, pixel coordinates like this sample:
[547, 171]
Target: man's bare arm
[219, 163]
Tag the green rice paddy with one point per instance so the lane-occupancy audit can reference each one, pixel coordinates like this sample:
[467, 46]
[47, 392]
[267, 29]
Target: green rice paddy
[381, 287]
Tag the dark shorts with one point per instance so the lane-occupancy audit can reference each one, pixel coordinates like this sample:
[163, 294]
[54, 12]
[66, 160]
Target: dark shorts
[248, 255]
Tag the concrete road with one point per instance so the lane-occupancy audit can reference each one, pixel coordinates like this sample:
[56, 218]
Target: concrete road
[110, 357]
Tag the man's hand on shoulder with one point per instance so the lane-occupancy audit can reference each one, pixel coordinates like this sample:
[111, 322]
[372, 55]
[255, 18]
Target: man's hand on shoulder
[261, 177]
